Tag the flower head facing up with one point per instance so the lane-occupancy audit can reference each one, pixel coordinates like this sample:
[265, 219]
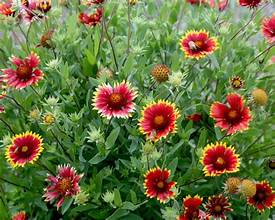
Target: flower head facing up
[264, 197]
[6, 8]
[115, 101]
[26, 73]
[232, 117]
[20, 216]
[218, 159]
[268, 28]
[217, 206]
[158, 119]
[25, 148]
[198, 44]
[64, 184]
[157, 185]
[92, 19]
[236, 82]
[191, 208]
[250, 3]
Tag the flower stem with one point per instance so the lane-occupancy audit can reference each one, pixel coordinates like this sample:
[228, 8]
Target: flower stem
[16, 102]
[111, 43]
[36, 92]
[15, 184]
[7, 125]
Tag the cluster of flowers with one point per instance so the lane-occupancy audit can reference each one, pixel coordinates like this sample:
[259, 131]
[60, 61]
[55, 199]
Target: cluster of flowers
[28, 10]
[158, 120]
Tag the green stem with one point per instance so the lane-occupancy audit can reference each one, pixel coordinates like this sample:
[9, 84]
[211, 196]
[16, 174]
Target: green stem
[7, 125]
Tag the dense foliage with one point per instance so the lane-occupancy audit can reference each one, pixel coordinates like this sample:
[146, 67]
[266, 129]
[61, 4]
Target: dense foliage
[174, 60]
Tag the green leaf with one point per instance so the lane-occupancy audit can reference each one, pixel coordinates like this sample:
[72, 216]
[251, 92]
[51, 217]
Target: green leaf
[202, 138]
[133, 196]
[66, 205]
[118, 214]
[117, 198]
[111, 139]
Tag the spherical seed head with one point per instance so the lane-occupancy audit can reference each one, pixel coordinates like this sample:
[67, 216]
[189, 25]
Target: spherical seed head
[247, 188]
[232, 185]
[160, 72]
[260, 96]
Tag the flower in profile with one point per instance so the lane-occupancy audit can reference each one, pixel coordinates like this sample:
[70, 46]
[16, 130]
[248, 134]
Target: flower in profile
[232, 185]
[268, 28]
[46, 40]
[222, 4]
[196, 2]
[20, 216]
[191, 208]
[25, 148]
[6, 8]
[94, 2]
[236, 82]
[259, 96]
[264, 197]
[29, 10]
[218, 159]
[44, 5]
[158, 119]
[157, 185]
[247, 188]
[196, 117]
[160, 73]
[26, 73]
[198, 44]
[232, 117]
[63, 185]
[250, 3]
[115, 101]
[92, 19]
[217, 206]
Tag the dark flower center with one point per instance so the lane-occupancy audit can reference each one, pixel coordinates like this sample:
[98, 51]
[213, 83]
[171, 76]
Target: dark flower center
[24, 72]
[64, 184]
[220, 161]
[159, 122]
[115, 100]
[195, 45]
[272, 164]
[160, 184]
[217, 208]
[232, 114]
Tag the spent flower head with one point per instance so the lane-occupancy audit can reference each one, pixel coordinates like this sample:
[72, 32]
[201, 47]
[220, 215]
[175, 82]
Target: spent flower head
[95, 135]
[176, 78]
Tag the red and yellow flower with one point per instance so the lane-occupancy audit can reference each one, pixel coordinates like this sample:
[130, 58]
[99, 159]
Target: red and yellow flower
[158, 119]
[198, 44]
[232, 117]
[115, 101]
[268, 28]
[157, 185]
[92, 19]
[65, 184]
[44, 5]
[25, 148]
[218, 159]
[191, 208]
[264, 197]
[20, 216]
[217, 206]
[250, 3]
[6, 8]
[26, 73]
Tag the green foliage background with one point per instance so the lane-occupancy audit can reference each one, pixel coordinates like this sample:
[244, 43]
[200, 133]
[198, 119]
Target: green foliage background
[117, 162]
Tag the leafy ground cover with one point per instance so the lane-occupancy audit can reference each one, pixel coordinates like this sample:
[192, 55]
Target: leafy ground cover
[137, 109]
